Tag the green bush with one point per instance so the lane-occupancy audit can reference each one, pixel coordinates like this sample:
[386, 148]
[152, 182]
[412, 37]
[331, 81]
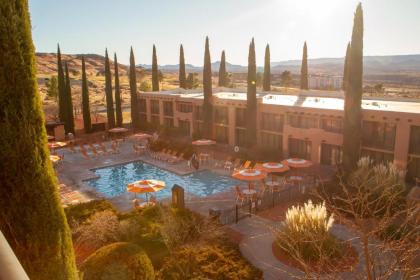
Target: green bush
[120, 260]
[79, 213]
[212, 261]
[305, 233]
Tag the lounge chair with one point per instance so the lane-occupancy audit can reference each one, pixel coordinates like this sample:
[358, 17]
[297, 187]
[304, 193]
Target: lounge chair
[114, 147]
[103, 147]
[94, 151]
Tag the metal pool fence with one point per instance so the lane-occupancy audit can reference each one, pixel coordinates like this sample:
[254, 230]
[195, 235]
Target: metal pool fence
[266, 201]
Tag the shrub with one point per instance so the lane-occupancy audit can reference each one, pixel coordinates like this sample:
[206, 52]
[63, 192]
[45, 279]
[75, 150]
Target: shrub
[100, 229]
[305, 233]
[119, 260]
[213, 261]
[77, 214]
[181, 226]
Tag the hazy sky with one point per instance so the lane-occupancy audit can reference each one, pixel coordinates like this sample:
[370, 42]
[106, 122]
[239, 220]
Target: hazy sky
[88, 26]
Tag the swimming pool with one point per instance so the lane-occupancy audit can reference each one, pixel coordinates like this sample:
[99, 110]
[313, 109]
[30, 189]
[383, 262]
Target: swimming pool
[113, 180]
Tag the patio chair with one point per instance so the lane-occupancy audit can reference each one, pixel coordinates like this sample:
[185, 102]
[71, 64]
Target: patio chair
[114, 147]
[239, 195]
[228, 164]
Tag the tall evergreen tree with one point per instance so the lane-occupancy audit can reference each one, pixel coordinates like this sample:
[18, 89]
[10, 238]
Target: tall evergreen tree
[133, 92]
[155, 71]
[346, 67]
[222, 71]
[208, 93]
[31, 219]
[118, 111]
[251, 98]
[267, 70]
[87, 124]
[108, 93]
[182, 73]
[61, 88]
[304, 69]
[69, 124]
[353, 96]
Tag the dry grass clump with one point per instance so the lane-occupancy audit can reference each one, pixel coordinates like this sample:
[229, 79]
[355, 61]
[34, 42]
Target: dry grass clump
[305, 233]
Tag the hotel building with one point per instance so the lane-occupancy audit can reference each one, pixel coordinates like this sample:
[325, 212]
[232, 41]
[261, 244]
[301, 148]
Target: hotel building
[307, 125]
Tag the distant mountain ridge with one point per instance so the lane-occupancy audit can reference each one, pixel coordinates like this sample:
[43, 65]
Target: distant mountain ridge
[330, 66]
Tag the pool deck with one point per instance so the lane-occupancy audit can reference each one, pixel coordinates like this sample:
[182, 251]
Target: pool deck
[75, 170]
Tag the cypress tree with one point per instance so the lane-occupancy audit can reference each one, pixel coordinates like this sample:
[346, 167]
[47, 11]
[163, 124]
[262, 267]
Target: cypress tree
[32, 219]
[69, 124]
[118, 111]
[108, 93]
[304, 69]
[207, 89]
[85, 100]
[61, 88]
[267, 70]
[346, 67]
[182, 73]
[251, 98]
[155, 71]
[133, 92]
[353, 96]
[222, 71]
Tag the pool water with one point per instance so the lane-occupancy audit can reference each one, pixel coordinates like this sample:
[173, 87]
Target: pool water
[113, 180]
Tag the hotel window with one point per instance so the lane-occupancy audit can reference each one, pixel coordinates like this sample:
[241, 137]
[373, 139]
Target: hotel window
[221, 134]
[272, 122]
[377, 156]
[414, 140]
[142, 105]
[184, 107]
[184, 127]
[168, 122]
[331, 154]
[272, 141]
[240, 118]
[198, 113]
[332, 125]
[299, 148]
[155, 121]
[143, 118]
[378, 135]
[168, 109]
[154, 105]
[302, 122]
[221, 115]
[240, 137]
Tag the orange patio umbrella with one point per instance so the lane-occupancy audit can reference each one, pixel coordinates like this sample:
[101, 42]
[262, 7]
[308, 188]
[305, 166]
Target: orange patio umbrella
[54, 145]
[249, 175]
[118, 130]
[297, 162]
[55, 158]
[146, 186]
[273, 167]
[141, 136]
[203, 142]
